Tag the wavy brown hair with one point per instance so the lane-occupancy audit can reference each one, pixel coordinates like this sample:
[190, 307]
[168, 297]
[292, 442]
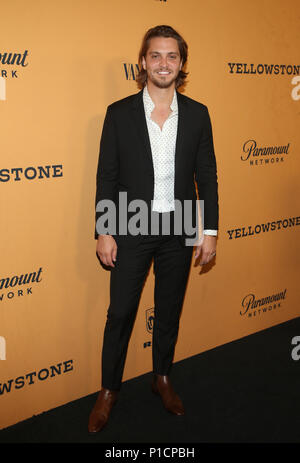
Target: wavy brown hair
[162, 31]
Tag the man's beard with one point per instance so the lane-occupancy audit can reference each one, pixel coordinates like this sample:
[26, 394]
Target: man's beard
[160, 83]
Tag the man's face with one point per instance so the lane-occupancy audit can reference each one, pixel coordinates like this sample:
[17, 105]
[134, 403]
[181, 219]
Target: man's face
[162, 61]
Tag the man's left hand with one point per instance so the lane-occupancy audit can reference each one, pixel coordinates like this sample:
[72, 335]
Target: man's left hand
[208, 248]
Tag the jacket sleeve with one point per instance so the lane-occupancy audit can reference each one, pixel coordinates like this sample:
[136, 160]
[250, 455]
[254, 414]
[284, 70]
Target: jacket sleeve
[108, 164]
[206, 175]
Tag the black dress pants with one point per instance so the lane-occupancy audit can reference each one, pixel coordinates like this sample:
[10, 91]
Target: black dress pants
[172, 263]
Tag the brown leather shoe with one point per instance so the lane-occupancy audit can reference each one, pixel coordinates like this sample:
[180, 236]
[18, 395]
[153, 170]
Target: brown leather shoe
[101, 410]
[162, 386]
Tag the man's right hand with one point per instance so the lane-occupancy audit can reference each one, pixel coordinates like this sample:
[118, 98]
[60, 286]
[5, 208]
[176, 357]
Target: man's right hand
[107, 249]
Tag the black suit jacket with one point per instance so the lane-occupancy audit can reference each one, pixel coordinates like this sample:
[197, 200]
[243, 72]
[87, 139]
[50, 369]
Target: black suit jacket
[125, 159]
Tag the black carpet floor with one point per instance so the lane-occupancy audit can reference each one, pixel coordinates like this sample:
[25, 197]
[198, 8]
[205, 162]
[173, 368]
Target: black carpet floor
[247, 391]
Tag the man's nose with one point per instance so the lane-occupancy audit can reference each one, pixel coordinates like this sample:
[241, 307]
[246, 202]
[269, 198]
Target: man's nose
[164, 61]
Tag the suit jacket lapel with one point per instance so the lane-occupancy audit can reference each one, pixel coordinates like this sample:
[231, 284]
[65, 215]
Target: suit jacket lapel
[181, 130]
[141, 124]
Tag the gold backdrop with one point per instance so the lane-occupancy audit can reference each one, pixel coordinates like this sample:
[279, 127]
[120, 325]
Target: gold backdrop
[62, 62]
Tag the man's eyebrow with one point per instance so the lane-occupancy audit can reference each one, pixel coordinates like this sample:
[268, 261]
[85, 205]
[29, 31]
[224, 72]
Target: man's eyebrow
[169, 52]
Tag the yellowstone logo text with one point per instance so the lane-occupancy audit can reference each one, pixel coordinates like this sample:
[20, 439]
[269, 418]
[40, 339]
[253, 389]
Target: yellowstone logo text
[263, 227]
[31, 173]
[32, 377]
[245, 68]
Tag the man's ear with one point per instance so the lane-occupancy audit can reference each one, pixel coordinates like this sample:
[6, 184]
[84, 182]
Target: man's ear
[143, 62]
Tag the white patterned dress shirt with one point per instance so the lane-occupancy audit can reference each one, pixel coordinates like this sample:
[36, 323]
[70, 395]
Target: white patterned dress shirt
[163, 144]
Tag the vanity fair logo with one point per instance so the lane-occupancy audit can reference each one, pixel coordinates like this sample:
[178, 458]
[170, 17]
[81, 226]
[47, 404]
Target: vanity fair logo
[131, 71]
[16, 286]
[252, 307]
[263, 228]
[10, 65]
[263, 155]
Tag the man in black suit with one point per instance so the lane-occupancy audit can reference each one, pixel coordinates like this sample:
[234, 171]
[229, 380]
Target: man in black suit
[154, 144]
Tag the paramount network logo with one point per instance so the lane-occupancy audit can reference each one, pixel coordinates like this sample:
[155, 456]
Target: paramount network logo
[263, 155]
[8, 60]
[254, 307]
[15, 285]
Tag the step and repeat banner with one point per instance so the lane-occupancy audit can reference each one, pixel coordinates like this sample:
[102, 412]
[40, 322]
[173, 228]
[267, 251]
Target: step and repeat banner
[62, 63]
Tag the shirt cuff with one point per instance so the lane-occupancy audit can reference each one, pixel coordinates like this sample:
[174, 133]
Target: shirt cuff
[210, 232]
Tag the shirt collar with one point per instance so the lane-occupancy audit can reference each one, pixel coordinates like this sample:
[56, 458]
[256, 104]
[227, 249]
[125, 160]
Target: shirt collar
[149, 105]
